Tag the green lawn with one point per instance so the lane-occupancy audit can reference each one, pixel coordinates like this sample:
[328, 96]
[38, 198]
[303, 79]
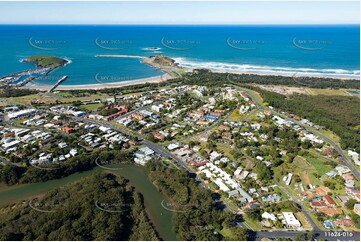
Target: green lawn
[92, 107]
[320, 166]
[236, 116]
[331, 135]
[327, 92]
[256, 95]
[169, 164]
[283, 195]
[64, 94]
[304, 167]
[253, 224]
[62, 97]
[226, 148]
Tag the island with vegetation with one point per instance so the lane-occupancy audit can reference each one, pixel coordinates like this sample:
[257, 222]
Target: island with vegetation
[46, 61]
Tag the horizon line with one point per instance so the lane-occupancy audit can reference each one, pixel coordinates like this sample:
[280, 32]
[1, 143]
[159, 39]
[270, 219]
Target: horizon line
[185, 24]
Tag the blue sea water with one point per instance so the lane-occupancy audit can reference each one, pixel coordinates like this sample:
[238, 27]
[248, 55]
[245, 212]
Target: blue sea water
[331, 50]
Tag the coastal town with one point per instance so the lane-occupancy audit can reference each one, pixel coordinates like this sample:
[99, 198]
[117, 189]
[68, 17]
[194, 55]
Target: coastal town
[276, 169]
[180, 121]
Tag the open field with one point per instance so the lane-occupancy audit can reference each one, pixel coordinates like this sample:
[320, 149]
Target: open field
[92, 107]
[327, 92]
[226, 148]
[288, 90]
[253, 224]
[320, 166]
[235, 116]
[331, 135]
[310, 166]
[305, 223]
[256, 95]
[51, 98]
[285, 90]
[278, 190]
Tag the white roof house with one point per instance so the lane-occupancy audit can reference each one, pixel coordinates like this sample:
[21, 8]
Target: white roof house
[355, 156]
[269, 216]
[287, 179]
[21, 113]
[238, 171]
[146, 150]
[104, 129]
[208, 173]
[221, 185]
[290, 220]
[10, 144]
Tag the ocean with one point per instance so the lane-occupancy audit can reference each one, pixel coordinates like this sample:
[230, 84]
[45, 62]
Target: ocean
[322, 50]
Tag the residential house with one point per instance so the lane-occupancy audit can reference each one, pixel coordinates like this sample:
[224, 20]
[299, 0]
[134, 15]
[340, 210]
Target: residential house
[344, 222]
[330, 211]
[290, 220]
[270, 216]
[329, 201]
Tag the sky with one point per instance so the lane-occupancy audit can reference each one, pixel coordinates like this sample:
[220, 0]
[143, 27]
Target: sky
[180, 12]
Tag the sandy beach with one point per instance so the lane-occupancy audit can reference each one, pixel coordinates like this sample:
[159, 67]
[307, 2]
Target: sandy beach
[166, 76]
[289, 74]
[155, 79]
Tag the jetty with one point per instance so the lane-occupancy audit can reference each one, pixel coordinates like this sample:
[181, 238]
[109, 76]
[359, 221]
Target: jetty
[58, 83]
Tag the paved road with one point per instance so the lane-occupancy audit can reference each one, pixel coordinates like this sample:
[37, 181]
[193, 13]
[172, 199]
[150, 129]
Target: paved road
[149, 105]
[344, 158]
[258, 235]
[209, 128]
[305, 212]
[159, 149]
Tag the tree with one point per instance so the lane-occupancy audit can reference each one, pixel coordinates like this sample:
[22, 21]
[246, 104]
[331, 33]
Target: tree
[191, 144]
[75, 217]
[263, 171]
[150, 137]
[297, 178]
[300, 237]
[350, 203]
[310, 235]
[11, 174]
[254, 214]
[356, 219]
